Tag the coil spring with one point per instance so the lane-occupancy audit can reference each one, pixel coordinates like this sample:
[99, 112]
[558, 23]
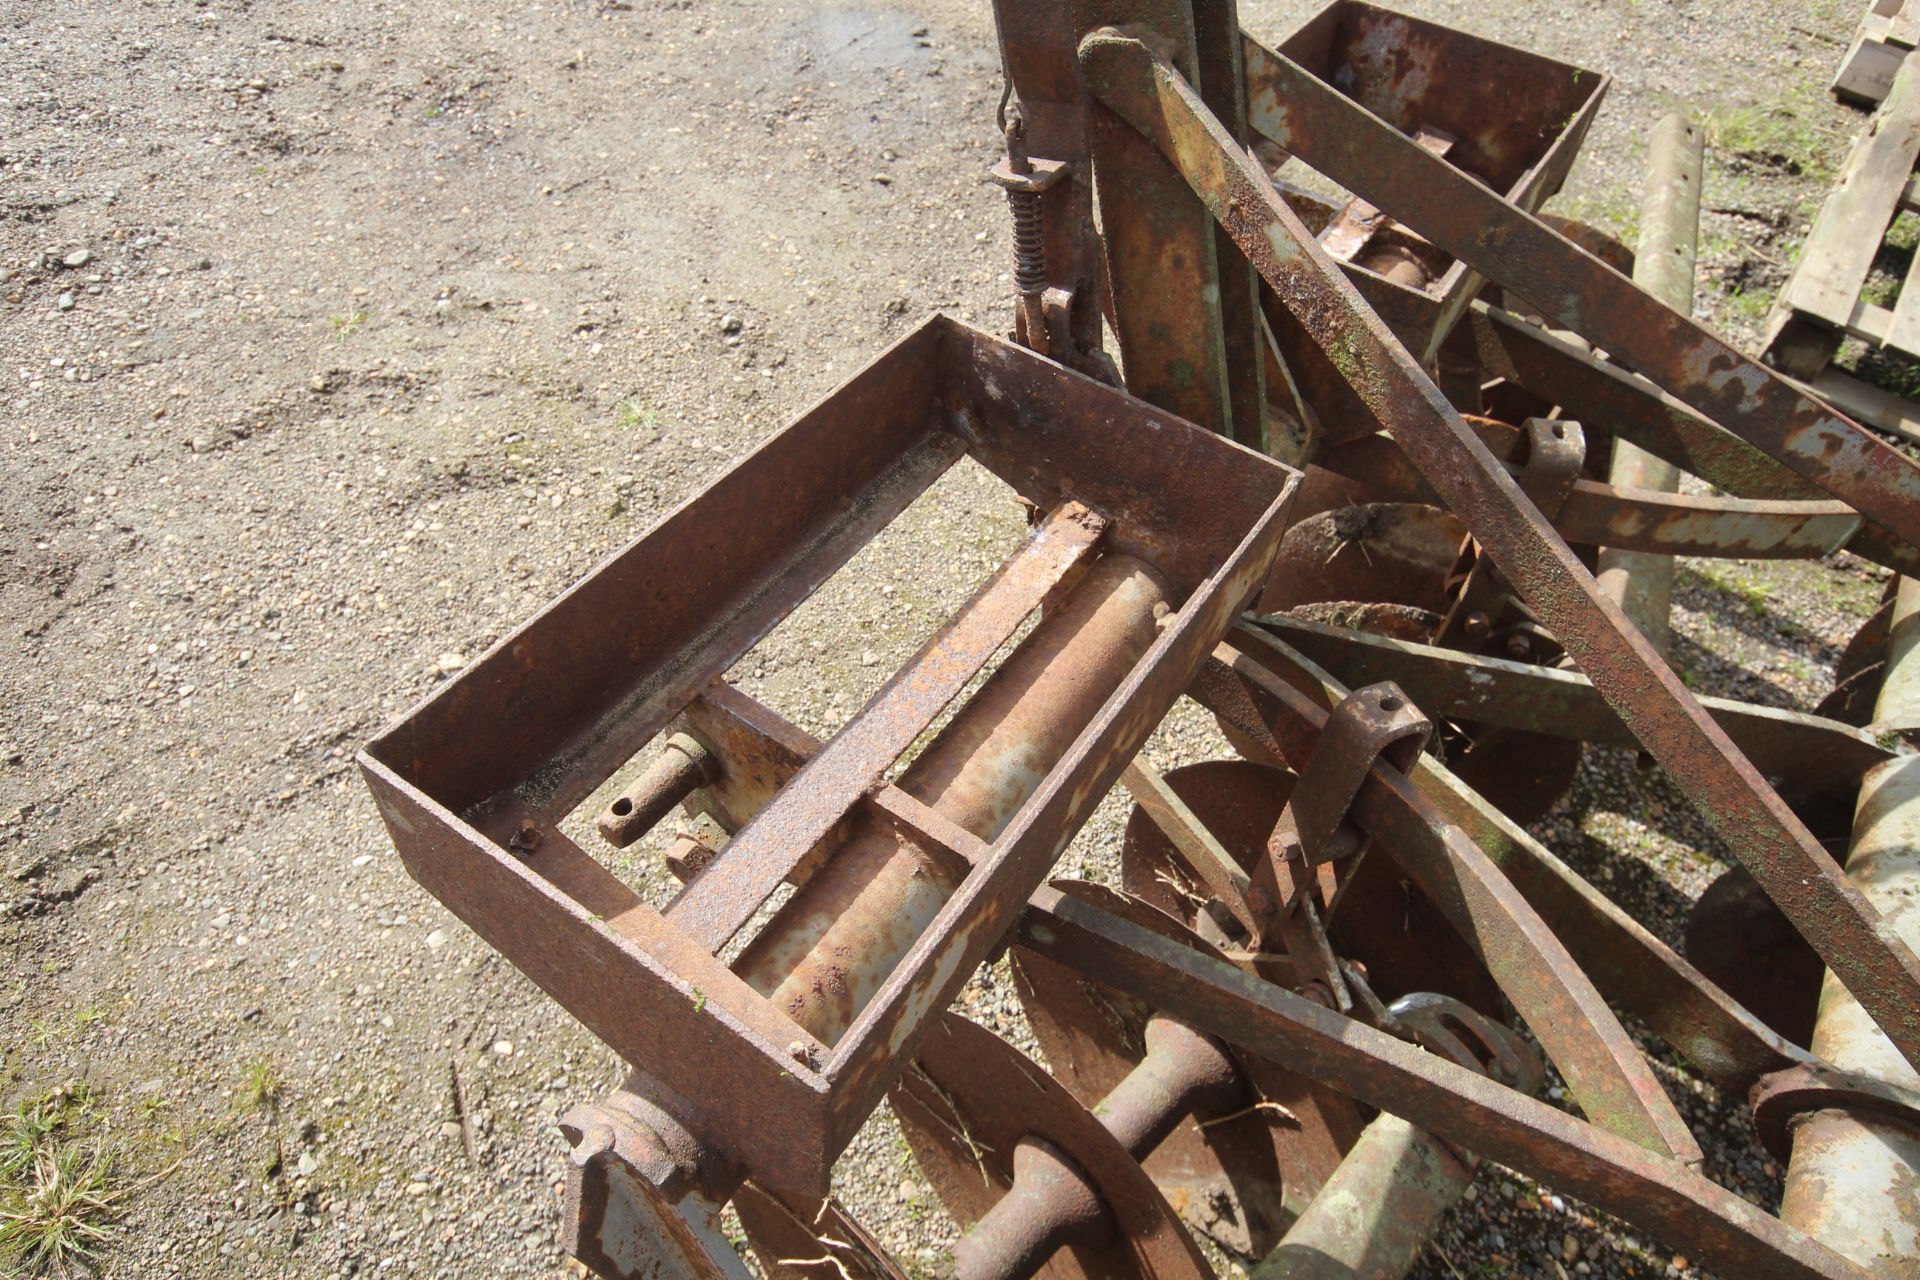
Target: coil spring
[1029, 242]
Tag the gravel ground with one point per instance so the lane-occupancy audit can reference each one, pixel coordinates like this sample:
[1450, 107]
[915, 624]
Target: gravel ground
[337, 338]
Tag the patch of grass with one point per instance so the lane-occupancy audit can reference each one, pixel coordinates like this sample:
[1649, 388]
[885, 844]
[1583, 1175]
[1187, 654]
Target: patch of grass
[1613, 211]
[1751, 305]
[632, 414]
[1775, 134]
[1888, 371]
[346, 324]
[57, 1188]
[1754, 598]
[260, 1086]
[58, 1211]
[36, 1123]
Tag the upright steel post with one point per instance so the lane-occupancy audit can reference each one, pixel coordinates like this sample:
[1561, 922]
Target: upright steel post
[1853, 1182]
[1669, 234]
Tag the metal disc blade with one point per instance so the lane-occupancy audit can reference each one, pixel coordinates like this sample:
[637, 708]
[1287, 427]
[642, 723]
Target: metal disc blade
[1242, 1178]
[964, 1105]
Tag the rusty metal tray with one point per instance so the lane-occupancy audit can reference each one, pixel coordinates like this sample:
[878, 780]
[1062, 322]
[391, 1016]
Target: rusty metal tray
[473, 782]
[1516, 120]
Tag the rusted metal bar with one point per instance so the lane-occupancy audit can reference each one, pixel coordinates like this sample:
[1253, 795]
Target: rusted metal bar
[1378, 1211]
[1710, 1224]
[1592, 390]
[1646, 520]
[1163, 263]
[732, 888]
[1852, 1177]
[1790, 865]
[1580, 1034]
[1669, 232]
[1809, 749]
[1660, 525]
[1632, 968]
[1221, 59]
[1308, 117]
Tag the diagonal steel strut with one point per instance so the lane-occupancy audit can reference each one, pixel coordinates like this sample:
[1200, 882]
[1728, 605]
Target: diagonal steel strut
[1790, 865]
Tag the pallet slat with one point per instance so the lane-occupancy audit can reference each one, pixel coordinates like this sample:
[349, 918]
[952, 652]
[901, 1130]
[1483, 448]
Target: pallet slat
[1871, 61]
[1846, 235]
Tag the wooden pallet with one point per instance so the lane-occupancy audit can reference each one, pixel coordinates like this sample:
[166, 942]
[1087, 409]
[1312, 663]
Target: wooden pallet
[1883, 39]
[1823, 303]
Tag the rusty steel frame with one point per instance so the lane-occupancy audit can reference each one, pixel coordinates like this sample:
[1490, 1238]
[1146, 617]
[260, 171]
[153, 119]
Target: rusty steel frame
[1258, 698]
[1659, 1194]
[751, 1075]
[1770, 841]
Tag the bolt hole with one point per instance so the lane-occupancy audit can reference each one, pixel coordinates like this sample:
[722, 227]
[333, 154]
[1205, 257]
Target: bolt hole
[1391, 703]
[1559, 431]
[622, 807]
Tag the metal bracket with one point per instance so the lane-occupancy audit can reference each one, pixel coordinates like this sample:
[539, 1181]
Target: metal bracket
[1312, 834]
[1556, 449]
[1456, 1031]
[1376, 722]
[1038, 176]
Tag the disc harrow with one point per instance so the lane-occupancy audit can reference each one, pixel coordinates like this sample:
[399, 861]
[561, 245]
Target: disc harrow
[1391, 488]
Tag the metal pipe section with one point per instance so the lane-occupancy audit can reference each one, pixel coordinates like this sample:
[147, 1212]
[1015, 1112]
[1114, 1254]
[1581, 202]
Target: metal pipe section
[1050, 1206]
[1377, 1212]
[1851, 1182]
[1664, 267]
[829, 949]
[1184, 1073]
